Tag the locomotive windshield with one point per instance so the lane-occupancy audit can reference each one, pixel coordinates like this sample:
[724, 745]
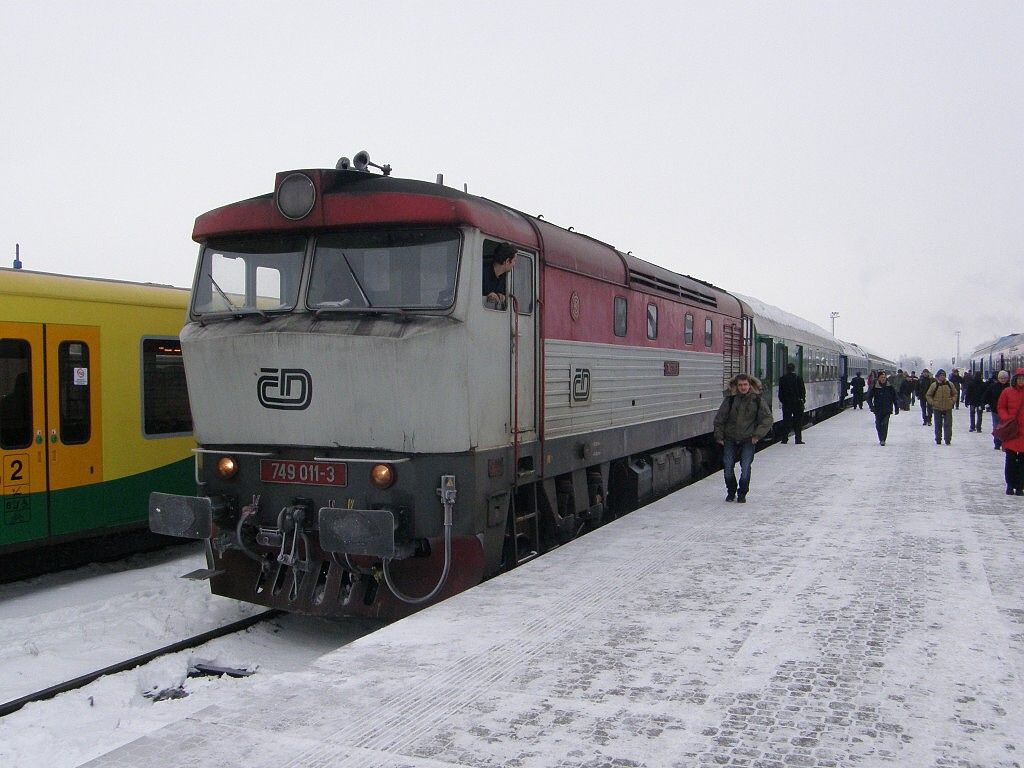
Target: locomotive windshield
[385, 269]
[249, 275]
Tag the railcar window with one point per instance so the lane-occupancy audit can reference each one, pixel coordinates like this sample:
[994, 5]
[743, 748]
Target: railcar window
[74, 385]
[249, 275]
[709, 327]
[165, 409]
[386, 269]
[15, 394]
[619, 312]
[688, 329]
[652, 321]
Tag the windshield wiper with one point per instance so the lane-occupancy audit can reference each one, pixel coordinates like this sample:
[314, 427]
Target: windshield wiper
[339, 309]
[222, 294]
[355, 279]
[233, 310]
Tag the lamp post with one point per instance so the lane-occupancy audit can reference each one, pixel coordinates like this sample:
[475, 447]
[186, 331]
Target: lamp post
[956, 360]
[833, 315]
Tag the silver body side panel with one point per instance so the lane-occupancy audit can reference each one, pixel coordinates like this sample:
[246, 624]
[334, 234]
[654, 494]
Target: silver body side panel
[628, 386]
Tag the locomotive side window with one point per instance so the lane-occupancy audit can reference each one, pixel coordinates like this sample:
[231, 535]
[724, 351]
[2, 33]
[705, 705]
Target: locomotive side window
[16, 390]
[652, 321]
[405, 269]
[709, 327]
[249, 275]
[522, 283]
[73, 392]
[165, 409]
[619, 312]
[688, 328]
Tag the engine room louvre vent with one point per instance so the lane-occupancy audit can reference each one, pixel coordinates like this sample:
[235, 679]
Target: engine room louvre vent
[639, 279]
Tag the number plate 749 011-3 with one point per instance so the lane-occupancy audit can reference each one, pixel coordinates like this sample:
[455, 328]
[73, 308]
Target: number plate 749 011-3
[303, 472]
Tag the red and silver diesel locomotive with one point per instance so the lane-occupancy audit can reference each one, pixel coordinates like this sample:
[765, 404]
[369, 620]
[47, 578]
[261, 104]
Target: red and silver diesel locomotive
[389, 410]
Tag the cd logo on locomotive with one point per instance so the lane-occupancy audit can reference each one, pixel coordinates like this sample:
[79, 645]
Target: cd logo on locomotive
[580, 386]
[285, 389]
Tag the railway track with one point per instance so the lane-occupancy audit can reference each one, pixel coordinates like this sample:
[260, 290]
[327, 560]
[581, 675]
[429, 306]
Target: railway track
[136, 661]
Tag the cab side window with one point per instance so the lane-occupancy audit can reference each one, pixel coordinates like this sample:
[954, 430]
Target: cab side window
[522, 283]
[498, 261]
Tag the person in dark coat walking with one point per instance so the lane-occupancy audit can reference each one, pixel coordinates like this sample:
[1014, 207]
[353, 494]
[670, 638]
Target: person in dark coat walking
[923, 383]
[792, 396]
[904, 392]
[975, 400]
[995, 388]
[857, 385]
[958, 383]
[742, 420]
[883, 403]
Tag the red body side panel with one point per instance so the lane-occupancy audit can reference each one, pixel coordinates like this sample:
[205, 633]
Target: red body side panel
[596, 309]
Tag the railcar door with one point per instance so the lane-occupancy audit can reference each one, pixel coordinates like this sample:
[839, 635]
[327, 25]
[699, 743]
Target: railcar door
[763, 369]
[524, 346]
[22, 426]
[74, 430]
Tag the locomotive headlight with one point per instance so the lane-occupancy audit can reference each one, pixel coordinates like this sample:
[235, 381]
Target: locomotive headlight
[382, 476]
[227, 467]
[296, 196]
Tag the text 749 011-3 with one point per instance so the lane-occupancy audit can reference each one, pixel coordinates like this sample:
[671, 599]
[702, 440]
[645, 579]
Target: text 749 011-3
[303, 472]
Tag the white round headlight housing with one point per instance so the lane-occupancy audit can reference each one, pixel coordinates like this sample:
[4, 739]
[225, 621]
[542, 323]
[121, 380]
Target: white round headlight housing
[296, 196]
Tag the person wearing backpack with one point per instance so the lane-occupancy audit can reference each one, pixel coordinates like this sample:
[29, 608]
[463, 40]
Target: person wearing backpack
[742, 420]
[942, 397]
[1011, 408]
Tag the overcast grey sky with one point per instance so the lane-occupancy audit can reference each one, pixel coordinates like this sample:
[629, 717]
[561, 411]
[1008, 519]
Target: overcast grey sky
[857, 157]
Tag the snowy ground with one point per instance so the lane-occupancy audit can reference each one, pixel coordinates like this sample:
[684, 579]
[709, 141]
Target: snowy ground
[864, 608]
[57, 627]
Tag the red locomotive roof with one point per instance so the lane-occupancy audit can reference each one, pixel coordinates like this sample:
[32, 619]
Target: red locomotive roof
[355, 198]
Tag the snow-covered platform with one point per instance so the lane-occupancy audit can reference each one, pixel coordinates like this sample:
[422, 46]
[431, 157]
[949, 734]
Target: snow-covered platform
[865, 607]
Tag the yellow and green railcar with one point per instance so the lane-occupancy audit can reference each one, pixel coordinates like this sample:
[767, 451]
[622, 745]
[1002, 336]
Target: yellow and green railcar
[94, 408]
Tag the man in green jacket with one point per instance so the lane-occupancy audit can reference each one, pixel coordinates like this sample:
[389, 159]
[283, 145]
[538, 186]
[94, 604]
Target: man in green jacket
[942, 397]
[742, 420]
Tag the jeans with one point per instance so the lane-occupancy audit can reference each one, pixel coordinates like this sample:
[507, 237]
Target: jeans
[882, 425]
[926, 411]
[977, 413]
[743, 451]
[943, 425]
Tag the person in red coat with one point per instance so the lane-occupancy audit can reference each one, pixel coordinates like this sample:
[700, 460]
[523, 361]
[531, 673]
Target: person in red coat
[1011, 406]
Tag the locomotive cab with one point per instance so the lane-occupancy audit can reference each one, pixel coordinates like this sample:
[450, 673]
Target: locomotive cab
[348, 383]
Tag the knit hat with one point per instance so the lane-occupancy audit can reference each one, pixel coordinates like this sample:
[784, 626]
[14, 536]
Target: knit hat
[940, 372]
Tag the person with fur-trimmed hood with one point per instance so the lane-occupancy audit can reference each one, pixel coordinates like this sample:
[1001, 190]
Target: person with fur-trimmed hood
[1010, 408]
[743, 419]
